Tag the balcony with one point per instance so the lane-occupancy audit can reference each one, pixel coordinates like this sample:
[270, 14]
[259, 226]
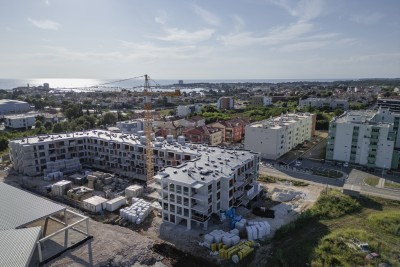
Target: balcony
[239, 195]
[201, 209]
[199, 217]
[199, 197]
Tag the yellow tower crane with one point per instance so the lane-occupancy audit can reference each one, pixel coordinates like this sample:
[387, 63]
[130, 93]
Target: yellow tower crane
[148, 125]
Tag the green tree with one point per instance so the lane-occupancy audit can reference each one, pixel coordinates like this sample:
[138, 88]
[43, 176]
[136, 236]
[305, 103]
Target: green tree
[58, 128]
[338, 112]
[109, 119]
[3, 143]
[48, 125]
[38, 124]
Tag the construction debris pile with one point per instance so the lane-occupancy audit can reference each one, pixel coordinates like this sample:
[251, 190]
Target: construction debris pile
[285, 195]
[107, 183]
[137, 212]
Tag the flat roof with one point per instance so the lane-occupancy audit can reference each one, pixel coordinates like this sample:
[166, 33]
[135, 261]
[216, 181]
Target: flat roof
[18, 246]
[19, 208]
[95, 200]
[116, 199]
[280, 121]
[213, 163]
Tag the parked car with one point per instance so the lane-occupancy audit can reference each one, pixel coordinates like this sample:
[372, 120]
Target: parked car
[298, 163]
[389, 172]
[346, 164]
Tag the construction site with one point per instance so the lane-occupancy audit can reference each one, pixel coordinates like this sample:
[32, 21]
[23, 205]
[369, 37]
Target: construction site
[154, 201]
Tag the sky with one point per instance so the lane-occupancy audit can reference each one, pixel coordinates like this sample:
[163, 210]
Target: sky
[209, 39]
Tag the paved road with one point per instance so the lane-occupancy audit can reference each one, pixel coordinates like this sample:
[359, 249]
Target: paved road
[357, 177]
[289, 174]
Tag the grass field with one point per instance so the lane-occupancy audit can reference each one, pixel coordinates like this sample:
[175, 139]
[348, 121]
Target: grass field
[391, 184]
[372, 181]
[272, 179]
[320, 237]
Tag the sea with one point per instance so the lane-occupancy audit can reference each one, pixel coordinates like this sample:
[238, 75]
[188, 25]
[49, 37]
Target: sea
[110, 84]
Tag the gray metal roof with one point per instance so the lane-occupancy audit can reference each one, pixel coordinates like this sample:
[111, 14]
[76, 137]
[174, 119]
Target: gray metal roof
[18, 246]
[18, 208]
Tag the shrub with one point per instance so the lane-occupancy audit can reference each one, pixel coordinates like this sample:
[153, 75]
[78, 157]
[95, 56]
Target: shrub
[334, 204]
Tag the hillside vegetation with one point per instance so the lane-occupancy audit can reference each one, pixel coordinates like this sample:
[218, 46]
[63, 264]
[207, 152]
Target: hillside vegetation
[322, 235]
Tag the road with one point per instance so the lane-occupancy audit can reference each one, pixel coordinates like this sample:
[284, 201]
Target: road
[357, 177]
[289, 174]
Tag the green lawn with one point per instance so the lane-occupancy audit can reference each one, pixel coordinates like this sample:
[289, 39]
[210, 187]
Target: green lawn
[321, 239]
[391, 184]
[372, 181]
[272, 179]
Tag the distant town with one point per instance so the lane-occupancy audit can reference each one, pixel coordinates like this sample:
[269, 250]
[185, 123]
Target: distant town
[202, 174]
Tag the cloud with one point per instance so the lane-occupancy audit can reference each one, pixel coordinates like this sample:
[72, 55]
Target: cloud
[206, 15]
[45, 24]
[179, 35]
[304, 10]
[239, 23]
[275, 36]
[47, 2]
[367, 19]
[9, 29]
[161, 18]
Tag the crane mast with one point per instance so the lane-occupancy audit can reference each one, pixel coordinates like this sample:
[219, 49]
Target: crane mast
[148, 123]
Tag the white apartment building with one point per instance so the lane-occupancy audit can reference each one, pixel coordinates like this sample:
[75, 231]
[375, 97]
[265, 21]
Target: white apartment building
[8, 106]
[260, 100]
[225, 103]
[365, 137]
[216, 180]
[122, 154]
[183, 111]
[130, 127]
[274, 137]
[20, 121]
[331, 103]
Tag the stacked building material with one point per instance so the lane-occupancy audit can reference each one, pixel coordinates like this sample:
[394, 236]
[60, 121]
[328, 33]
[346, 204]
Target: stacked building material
[137, 212]
[60, 188]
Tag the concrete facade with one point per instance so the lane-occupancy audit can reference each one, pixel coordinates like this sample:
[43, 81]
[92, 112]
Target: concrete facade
[276, 136]
[215, 181]
[365, 137]
[183, 111]
[8, 106]
[132, 126]
[20, 121]
[393, 104]
[225, 103]
[120, 153]
[260, 100]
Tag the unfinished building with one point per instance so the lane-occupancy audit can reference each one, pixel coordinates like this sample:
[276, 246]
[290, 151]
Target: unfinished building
[122, 154]
[215, 181]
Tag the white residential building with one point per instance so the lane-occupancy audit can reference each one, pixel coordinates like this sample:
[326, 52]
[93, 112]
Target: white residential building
[260, 100]
[331, 103]
[131, 127]
[225, 103]
[216, 180]
[276, 136]
[183, 111]
[8, 106]
[365, 137]
[20, 121]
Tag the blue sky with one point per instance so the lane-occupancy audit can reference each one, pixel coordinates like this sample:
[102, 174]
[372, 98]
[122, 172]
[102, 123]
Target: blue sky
[213, 39]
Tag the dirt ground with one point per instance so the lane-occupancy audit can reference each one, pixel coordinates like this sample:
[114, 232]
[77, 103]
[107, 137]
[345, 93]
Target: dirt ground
[155, 243]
